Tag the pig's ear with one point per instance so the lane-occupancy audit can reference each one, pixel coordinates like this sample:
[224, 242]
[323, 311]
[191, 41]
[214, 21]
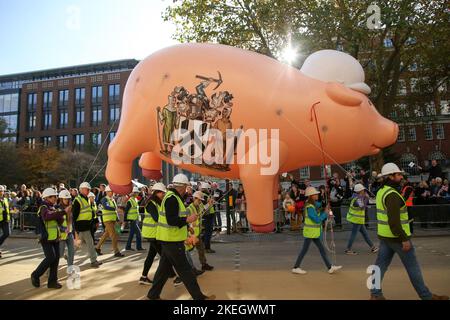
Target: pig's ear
[343, 95]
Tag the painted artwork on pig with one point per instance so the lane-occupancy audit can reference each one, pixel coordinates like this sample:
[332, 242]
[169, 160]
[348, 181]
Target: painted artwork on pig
[262, 105]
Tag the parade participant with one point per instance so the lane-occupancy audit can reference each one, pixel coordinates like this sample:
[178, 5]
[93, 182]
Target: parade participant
[394, 234]
[172, 232]
[208, 217]
[94, 222]
[50, 220]
[82, 217]
[150, 207]
[197, 208]
[67, 238]
[357, 217]
[312, 231]
[109, 219]
[132, 216]
[408, 195]
[4, 216]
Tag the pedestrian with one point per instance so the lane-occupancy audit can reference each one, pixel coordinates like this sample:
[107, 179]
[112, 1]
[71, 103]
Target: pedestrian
[83, 217]
[150, 207]
[132, 216]
[312, 231]
[4, 216]
[217, 195]
[197, 208]
[208, 217]
[110, 220]
[67, 238]
[172, 232]
[94, 222]
[289, 208]
[356, 216]
[408, 195]
[101, 194]
[49, 221]
[395, 235]
[336, 196]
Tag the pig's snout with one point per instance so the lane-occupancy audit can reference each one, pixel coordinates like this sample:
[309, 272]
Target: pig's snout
[386, 134]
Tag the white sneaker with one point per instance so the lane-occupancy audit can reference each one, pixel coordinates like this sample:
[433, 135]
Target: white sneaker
[298, 271]
[333, 269]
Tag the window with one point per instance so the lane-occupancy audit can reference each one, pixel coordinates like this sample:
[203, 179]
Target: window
[401, 134]
[79, 117]
[388, 43]
[63, 98]
[31, 143]
[113, 99]
[80, 94]
[412, 66]
[445, 108]
[428, 130]
[96, 139]
[47, 111]
[401, 87]
[114, 92]
[405, 160]
[96, 115]
[31, 111]
[304, 173]
[79, 142]
[430, 109]
[114, 112]
[9, 102]
[62, 142]
[11, 123]
[440, 134]
[414, 84]
[412, 134]
[63, 112]
[112, 135]
[96, 95]
[46, 141]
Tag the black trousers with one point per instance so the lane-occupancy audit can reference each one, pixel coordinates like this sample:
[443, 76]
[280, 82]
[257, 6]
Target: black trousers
[336, 208]
[4, 226]
[155, 248]
[173, 254]
[51, 260]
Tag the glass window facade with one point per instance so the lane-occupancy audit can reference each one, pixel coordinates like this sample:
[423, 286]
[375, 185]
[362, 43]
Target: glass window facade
[62, 142]
[79, 142]
[428, 131]
[31, 111]
[63, 113]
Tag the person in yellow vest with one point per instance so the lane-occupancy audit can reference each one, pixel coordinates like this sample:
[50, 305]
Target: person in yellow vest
[4, 216]
[94, 222]
[132, 216]
[197, 208]
[312, 231]
[394, 234]
[109, 219]
[150, 207]
[172, 232]
[356, 215]
[83, 216]
[50, 220]
[67, 238]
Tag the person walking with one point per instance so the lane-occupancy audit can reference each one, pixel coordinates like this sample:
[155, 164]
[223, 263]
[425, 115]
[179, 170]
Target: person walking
[83, 217]
[357, 217]
[172, 232]
[208, 217]
[67, 238]
[312, 231]
[49, 221]
[395, 235]
[94, 222]
[4, 216]
[110, 220]
[132, 216]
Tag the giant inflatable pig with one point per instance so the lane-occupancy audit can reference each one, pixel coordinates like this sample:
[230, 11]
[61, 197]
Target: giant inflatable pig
[195, 91]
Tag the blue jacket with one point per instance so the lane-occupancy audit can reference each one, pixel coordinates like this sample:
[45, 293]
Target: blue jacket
[312, 213]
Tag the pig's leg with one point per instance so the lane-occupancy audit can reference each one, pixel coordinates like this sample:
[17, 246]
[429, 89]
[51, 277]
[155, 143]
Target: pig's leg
[151, 166]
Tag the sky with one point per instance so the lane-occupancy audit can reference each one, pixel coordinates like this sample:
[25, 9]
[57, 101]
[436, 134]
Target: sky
[45, 34]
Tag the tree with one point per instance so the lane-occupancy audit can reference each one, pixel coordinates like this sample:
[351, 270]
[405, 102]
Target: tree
[386, 53]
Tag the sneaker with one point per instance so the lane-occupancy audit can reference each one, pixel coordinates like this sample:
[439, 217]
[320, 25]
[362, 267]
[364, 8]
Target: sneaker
[351, 252]
[177, 282]
[99, 252]
[198, 272]
[55, 285]
[95, 264]
[210, 251]
[374, 249]
[211, 297]
[298, 271]
[141, 249]
[119, 255]
[436, 297]
[35, 282]
[145, 280]
[333, 269]
[207, 267]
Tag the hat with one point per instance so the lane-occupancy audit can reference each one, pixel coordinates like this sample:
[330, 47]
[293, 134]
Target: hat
[311, 191]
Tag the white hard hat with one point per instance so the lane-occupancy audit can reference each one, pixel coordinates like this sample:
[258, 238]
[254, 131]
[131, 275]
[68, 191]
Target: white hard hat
[64, 194]
[2, 188]
[198, 195]
[359, 187]
[135, 190]
[85, 185]
[205, 185]
[336, 66]
[159, 187]
[181, 179]
[91, 194]
[108, 188]
[49, 192]
[390, 168]
[311, 191]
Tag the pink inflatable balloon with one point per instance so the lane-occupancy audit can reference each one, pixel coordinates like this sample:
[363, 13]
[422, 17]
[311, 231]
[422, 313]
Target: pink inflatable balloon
[201, 90]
